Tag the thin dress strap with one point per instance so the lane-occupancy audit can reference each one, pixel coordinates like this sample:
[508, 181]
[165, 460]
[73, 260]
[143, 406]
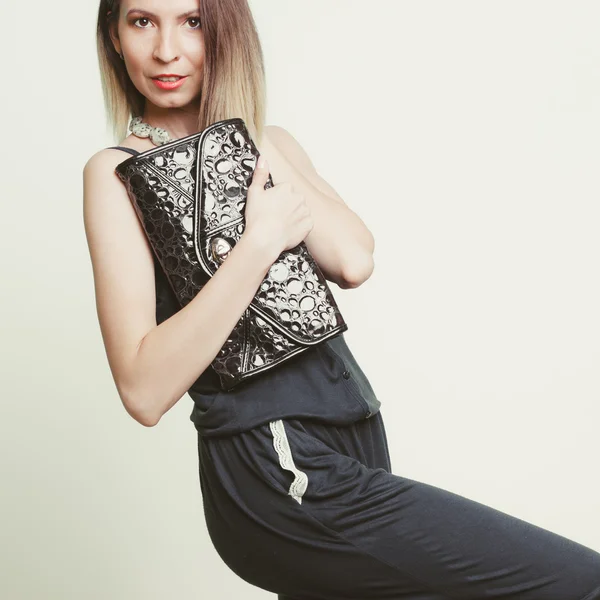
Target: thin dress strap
[125, 149]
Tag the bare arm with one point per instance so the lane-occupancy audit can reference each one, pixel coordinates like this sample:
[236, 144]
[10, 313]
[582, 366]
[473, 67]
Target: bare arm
[154, 365]
[340, 241]
[172, 355]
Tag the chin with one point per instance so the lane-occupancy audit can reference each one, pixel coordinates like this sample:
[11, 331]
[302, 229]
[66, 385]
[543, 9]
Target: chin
[172, 100]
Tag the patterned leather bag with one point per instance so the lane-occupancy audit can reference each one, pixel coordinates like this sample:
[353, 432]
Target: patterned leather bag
[190, 195]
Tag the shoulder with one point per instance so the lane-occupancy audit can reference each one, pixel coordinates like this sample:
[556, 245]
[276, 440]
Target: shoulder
[286, 144]
[102, 187]
[107, 157]
[289, 146]
[105, 161]
[101, 159]
[104, 158]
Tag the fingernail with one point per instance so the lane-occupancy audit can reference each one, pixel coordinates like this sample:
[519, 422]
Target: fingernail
[262, 162]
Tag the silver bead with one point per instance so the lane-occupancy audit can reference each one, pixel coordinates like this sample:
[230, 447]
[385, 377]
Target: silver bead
[140, 129]
[160, 136]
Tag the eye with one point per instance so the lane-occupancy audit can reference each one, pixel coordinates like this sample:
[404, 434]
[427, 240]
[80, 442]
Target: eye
[141, 19]
[195, 19]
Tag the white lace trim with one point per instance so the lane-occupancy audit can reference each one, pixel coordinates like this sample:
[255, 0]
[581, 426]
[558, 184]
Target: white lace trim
[282, 447]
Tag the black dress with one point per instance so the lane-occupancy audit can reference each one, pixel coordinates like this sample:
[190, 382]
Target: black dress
[300, 500]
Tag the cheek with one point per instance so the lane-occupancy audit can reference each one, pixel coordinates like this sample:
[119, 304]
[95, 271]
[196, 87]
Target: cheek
[196, 53]
[136, 71]
[197, 62]
[137, 57]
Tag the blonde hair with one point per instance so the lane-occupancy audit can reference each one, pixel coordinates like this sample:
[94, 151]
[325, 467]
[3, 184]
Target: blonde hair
[233, 79]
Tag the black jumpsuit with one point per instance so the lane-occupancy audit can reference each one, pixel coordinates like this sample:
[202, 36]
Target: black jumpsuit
[300, 500]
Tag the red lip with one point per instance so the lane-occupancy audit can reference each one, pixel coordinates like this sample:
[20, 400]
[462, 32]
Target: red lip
[168, 75]
[169, 85]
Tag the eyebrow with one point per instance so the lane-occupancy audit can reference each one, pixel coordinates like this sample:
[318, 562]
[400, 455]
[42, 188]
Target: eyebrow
[146, 12]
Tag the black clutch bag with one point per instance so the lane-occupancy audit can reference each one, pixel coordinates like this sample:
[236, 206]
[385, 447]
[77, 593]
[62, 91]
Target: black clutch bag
[190, 195]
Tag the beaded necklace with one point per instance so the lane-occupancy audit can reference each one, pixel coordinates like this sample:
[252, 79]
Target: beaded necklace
[140, 129]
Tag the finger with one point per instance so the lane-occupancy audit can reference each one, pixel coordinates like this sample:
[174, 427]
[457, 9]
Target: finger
[261, 173]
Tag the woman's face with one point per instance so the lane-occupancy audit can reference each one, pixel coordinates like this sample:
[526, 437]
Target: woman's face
[162, 38]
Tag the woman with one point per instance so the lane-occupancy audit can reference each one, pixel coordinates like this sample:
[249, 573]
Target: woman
[295, 472]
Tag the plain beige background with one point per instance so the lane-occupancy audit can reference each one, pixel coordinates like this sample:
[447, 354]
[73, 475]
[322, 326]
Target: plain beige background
[466, 135]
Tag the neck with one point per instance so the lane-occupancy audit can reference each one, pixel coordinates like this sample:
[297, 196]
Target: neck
[179, 122]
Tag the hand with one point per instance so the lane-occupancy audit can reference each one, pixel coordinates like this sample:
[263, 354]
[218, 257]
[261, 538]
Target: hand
[278, 217]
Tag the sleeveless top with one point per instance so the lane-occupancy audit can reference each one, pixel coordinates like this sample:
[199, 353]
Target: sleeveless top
[323, 383]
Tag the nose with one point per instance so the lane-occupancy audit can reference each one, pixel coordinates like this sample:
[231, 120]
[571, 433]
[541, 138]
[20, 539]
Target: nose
[167, 48]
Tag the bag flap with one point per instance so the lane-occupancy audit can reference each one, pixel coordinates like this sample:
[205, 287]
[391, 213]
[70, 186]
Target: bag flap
[294, 296]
